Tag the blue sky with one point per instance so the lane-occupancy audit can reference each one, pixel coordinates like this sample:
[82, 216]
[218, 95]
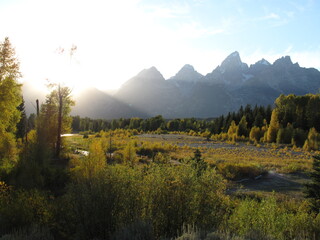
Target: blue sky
[117, 39]
[271, 27]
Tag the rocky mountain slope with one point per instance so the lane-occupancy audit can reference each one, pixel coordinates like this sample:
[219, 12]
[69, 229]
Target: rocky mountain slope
[226, 88]
[189, 94]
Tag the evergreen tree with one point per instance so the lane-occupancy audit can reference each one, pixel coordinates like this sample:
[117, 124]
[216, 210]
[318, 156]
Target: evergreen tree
[22, 124]
[76, 123]
[268, 113]
[31, 121]
[198, 163]
[313, 188]
[249, 116]
[258, 120]
[240, 114]
[219, 125]
[9, 64]
[227, 122]
[10, 99]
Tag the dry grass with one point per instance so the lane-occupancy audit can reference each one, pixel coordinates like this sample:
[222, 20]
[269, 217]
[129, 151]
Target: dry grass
[269, 157]
[281, 160]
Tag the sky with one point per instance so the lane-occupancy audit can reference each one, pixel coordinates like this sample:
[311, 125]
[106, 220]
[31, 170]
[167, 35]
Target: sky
[116, 39]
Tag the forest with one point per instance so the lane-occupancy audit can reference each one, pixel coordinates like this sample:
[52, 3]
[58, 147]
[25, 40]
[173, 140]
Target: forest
[155, 178]
[294, 120]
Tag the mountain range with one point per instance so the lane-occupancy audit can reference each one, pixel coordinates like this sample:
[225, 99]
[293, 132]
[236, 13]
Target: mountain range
[190, 94]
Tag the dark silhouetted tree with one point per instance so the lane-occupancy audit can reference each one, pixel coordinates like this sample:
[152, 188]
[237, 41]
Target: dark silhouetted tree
[313, 188]
[198, 163]
[22, 124]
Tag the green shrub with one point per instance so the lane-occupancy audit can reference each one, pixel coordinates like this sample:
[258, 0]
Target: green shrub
[268, 219]
[151, 149]
[237, 171]
[162, 195]
[20, 209]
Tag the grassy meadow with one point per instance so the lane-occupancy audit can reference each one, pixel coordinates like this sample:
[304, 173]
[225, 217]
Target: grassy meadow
[249, 168]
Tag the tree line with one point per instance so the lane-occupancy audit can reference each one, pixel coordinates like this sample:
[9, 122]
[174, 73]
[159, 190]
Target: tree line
[254, 115]
[293, 120]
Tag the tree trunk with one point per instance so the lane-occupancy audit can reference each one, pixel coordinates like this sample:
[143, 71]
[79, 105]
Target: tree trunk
[58, 145]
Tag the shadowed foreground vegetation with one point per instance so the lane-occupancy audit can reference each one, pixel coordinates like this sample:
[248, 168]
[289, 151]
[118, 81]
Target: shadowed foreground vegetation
[147, 191]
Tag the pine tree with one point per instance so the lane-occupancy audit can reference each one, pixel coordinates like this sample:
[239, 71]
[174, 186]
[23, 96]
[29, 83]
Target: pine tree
[22, 124]
[258, 121]
[10, 99]
[9, 64]
[198, 163]
[313, 188]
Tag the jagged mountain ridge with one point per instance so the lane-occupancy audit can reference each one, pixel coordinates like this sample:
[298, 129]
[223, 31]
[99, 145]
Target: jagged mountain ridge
[150, 93]
[186, 74]
[190, 94]
[226, 88]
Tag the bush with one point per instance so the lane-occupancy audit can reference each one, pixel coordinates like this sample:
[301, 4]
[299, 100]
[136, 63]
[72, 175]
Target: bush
[97, 205]
[8, 153]
[313, 140]
[21, 209]
[162, 196]
[161, 158]
[177, 196]
[206, 134]
[267, 219]
[151, 149]
[237, 171]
